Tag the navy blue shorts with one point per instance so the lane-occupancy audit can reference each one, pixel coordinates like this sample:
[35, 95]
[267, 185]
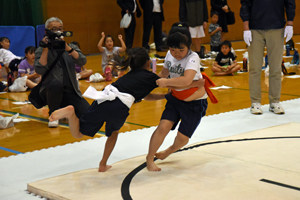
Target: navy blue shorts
[190, 114]
[114, 113]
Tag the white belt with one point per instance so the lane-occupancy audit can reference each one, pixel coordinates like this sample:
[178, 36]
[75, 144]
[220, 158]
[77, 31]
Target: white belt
[108, 94]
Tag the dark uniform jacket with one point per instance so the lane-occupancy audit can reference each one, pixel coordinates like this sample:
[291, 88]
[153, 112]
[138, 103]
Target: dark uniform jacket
[267, 14]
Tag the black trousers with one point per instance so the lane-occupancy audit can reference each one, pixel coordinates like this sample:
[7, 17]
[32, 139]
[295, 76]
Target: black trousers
[129, 32]
[57, 98]
[156, 21]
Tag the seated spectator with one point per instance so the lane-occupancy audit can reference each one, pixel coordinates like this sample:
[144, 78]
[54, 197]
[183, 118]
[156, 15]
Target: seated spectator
[108, 51]
[81, 71]
[225, 63]
[5, 44]
[26, 68]
[10, 61]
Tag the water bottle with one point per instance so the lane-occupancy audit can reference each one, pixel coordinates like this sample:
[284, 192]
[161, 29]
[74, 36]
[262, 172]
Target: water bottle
[154, 65]
[108, 75]
[10, 78]
[245, 64]
[287, 47]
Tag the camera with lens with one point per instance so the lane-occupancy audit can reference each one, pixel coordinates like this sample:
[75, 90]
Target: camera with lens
[54, 41]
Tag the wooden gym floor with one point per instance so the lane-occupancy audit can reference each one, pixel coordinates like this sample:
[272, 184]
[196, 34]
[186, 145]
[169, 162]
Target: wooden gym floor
[35, 134]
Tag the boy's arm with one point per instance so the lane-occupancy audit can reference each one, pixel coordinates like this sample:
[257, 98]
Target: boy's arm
[215, 31]
[101, 42]
[34, 75]
[234, 63]
[83, 68]
[182, 81]
[154, 97]
[164, 73]
[215, 64]
[123, 48]
[198, 83]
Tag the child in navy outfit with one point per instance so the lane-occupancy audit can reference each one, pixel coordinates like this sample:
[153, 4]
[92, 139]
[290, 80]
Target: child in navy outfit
[135, 85]
[189, 106]
[225, 63]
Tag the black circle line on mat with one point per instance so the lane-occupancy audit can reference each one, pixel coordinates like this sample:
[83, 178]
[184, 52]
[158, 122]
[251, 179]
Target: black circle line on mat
[126, 182]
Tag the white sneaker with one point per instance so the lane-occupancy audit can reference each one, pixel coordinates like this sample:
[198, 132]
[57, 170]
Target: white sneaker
[53, 124]
[276, 108]
[92, 78]
[256, 109]
[99, 77]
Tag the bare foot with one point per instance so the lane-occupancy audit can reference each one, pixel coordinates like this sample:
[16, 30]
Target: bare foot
[61, 113]
[103, 168]
[151, 166]
[163, 154]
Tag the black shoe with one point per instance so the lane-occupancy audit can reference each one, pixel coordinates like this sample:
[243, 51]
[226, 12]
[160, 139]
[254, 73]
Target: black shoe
[160, 49]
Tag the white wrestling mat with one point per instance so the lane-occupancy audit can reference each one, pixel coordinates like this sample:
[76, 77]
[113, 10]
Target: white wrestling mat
[259, 160]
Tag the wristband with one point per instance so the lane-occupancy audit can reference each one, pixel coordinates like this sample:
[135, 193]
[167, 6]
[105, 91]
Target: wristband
[71, 50]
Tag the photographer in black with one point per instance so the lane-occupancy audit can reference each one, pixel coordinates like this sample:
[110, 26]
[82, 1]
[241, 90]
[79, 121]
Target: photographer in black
[60, 87]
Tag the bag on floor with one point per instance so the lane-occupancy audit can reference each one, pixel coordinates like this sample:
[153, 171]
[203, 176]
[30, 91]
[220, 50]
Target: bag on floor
[284, 71]
[19, 85]
[35, 98]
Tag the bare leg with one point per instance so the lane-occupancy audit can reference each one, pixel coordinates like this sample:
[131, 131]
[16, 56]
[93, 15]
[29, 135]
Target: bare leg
[198, 42]
[69, 113]
[30, 84]
[86, 73]
[180, 141]
[235, 69]
[109, 146]
[223, 73]
[156, 141]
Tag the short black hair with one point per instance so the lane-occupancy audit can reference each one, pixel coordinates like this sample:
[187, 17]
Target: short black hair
[179, 35]
[2, 39]
[30, 49]
[109, 36]
[226, 43]
[136, 59]
[214, 13]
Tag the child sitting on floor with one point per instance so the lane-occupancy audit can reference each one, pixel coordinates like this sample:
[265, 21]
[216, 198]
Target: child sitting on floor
[10, 62]
[225, 63]
[26, 68]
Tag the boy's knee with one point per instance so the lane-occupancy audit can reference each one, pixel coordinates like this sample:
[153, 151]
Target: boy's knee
[183, 137]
